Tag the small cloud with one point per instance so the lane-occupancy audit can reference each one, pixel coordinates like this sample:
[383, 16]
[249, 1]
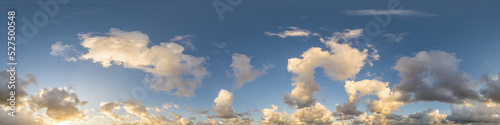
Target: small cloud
[62, 50]
[185, 40]
[369, 12]
[220, 45]
[395, 37]
[292, 32]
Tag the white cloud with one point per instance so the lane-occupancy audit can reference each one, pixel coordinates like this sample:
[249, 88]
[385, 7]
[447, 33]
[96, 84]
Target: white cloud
[220, 45]
[395, 37]
[224, 105]
[169, 105]
[171, 69]
[340, 63]
[185, 40]
[58, 49]
[316, 113]
[243, 71]
[369, 12]
[292, 32]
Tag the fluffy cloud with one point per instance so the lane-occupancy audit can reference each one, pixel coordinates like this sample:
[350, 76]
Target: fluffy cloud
[428, 117]
[279, 118]
[388, 100]
[20, 88]
[108, 107]
[224, 105]
[243, 71]
[61, 103]
[315, 114]
[475, 113]
[340, 63]
[492, 89]
[171, 68]
[292, 32]
[434, 76]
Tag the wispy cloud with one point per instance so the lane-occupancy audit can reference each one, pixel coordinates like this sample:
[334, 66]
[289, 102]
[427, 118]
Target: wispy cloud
[369, 12]
[292, 32]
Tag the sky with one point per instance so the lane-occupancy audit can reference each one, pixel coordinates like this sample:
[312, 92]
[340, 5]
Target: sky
[254, 62]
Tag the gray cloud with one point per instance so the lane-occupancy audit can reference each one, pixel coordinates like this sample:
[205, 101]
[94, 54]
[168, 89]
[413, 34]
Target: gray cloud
[434, 76]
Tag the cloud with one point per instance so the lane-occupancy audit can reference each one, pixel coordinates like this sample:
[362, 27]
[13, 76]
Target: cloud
[20, 88]
[108, 107]
[434, 76]
[169, 105]
[224, 105]
[243, 71]
[395, 37]
[316, 113]
[292, 32]
[61, 104]
[492, 89]
[406, 13]
[475, 113]
[220, 45]
[388, 100]
[428, 117]
[185, 40]
[279, 118]
[171, 69]
[138, 109]
[58, 49]
[340, 63]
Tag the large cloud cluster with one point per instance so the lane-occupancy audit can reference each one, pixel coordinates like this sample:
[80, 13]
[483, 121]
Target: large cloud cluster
[224, 105]
[171, 69]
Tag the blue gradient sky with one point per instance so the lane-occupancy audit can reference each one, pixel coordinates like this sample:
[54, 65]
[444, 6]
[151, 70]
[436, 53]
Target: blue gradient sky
[468, 29]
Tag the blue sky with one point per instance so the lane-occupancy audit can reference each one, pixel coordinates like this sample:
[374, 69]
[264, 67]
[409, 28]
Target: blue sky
[466, 30]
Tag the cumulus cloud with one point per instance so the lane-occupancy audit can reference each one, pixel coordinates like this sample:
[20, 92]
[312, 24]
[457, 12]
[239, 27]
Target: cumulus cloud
[340, 63]
[292, 32]
[475, 113]
[406, 13]
[279, 118]
[61, 104]
[20, 88]
[428, 117]
[243, 71]
[492, 89]
[224, 105]
[434, 76]
[314, 114]
[58, 49]
[108, 107]
[388, 100]
[171, 69]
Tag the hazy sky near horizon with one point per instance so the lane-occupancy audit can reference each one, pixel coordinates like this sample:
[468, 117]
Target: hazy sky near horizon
[303, 57]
